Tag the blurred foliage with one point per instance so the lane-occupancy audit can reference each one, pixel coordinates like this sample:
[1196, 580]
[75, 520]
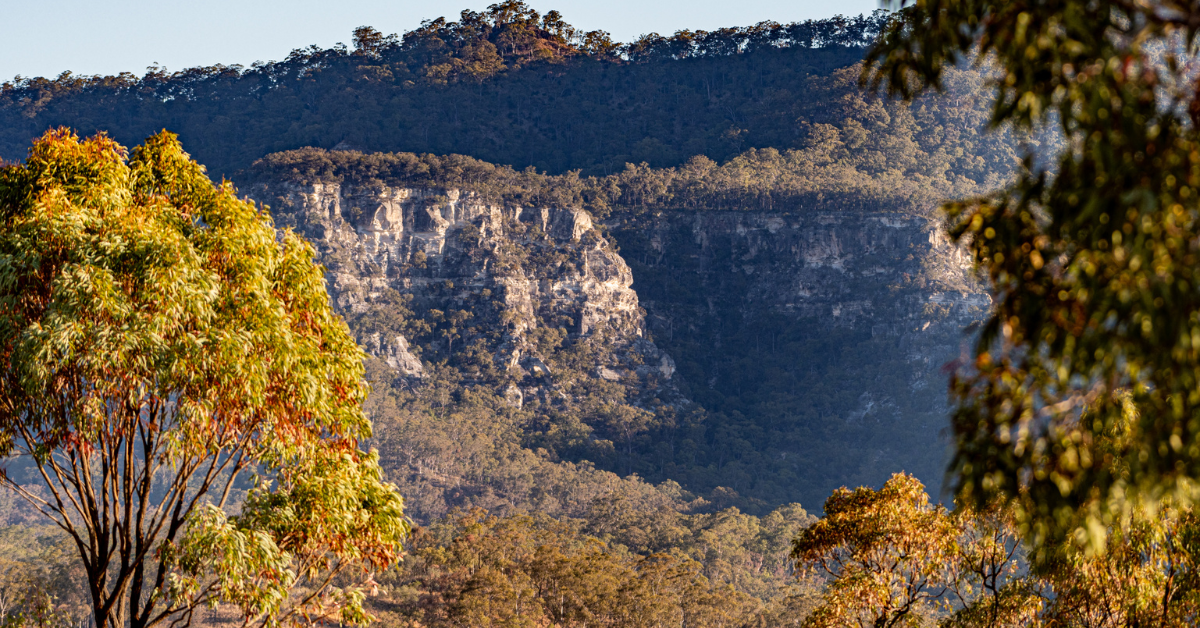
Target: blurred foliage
[1084, 388]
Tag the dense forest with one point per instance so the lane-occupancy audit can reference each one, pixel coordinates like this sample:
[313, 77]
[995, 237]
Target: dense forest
[507, 85]
[855, 152]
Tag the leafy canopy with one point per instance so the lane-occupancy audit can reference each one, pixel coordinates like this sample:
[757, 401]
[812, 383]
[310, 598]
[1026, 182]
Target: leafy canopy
[1091, 262]
[892, 559]
[158, 339]
[889, 555]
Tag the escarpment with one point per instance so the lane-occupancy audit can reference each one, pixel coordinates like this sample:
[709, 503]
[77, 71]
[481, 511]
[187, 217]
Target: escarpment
[511, 295]
[754, 357]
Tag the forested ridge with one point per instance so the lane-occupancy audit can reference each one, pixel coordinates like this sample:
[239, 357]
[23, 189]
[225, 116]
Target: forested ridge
[853, 152]
[506, 85]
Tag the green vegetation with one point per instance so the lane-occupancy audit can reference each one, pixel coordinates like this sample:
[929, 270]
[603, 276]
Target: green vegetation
[855, 153]
[160, 341]
[506, 85]
[1084, 384]
[890, 558]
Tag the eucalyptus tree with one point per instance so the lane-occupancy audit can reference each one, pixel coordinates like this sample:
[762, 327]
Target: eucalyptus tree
[1092, 261]
[890, 556]
[159, 340]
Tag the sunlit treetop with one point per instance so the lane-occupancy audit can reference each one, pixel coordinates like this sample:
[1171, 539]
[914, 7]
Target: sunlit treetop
[159, 339]
[145, 277]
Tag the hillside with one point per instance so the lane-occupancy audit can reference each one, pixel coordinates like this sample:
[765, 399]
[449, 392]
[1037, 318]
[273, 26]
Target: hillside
[507, 85]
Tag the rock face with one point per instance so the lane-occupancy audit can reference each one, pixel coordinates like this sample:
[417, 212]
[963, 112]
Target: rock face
[813, 342]
[885, 271]
[510, 272]
[830, 331]
[394, 351]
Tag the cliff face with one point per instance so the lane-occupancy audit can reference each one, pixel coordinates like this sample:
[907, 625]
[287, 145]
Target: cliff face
[779, 355]
[893, 275]
[466, 271]
[828, 332]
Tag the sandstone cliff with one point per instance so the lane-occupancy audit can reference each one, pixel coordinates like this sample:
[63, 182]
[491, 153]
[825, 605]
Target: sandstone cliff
[755, 357]
[513, 282]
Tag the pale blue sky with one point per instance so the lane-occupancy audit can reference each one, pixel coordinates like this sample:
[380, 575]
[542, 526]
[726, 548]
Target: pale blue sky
[45, 37]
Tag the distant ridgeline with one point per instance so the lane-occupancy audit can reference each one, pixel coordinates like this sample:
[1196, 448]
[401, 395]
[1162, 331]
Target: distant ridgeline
[506, 85]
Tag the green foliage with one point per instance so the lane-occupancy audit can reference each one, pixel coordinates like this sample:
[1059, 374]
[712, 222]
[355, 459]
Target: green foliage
[853, 153]
[1091, 262]
[159, 338]
[476, 569]
[506, 84]
[279, 556]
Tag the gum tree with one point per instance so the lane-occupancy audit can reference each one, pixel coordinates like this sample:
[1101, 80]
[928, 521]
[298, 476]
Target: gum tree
[159, 341]
[1091, 260]
[889, 555]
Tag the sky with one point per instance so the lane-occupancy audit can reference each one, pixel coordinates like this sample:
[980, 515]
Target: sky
[47, 37]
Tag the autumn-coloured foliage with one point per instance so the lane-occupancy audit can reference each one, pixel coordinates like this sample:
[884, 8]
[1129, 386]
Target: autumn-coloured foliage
[475, 569]
[892, 559]
[889, 554]
[159, 340]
